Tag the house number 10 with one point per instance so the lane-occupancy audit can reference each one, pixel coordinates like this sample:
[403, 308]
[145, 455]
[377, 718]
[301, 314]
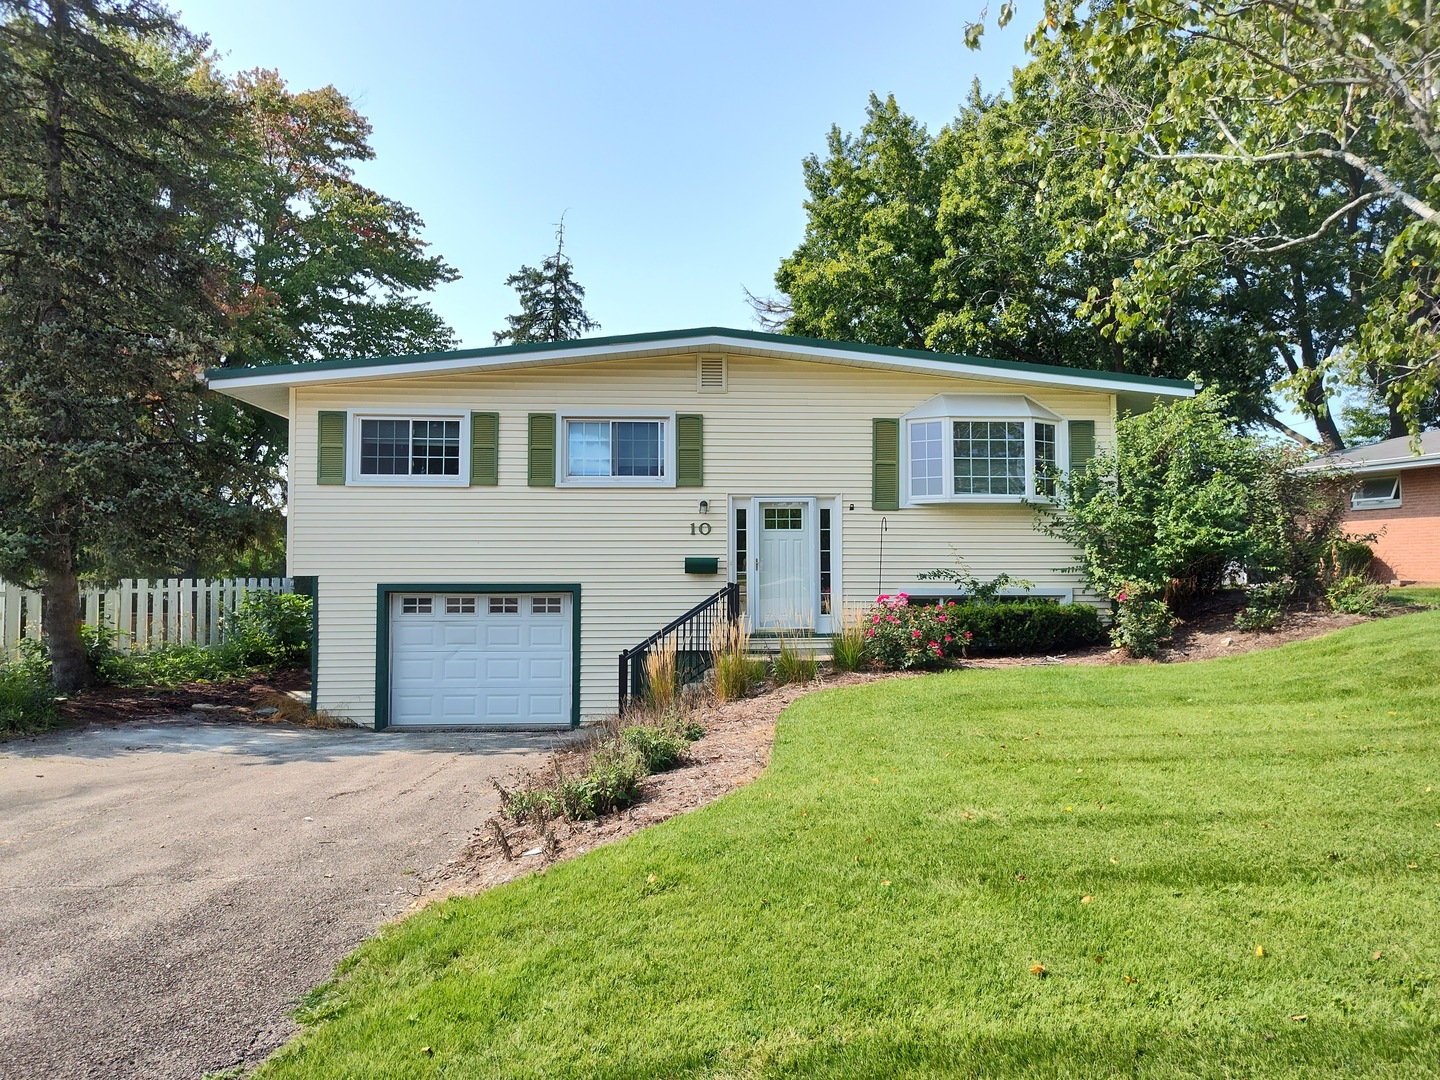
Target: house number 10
[702, 529]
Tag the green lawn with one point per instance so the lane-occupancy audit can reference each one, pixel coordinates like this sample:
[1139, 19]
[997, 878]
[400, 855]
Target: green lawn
[1421, 595]
[874, 904]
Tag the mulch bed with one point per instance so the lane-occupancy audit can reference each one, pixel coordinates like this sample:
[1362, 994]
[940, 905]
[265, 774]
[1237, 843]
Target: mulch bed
[122, 705]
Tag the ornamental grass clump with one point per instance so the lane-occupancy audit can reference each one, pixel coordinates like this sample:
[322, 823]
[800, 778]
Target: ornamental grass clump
[847, 645]
[905, 637]
[792, 664]
[736, 675]
[662, 684]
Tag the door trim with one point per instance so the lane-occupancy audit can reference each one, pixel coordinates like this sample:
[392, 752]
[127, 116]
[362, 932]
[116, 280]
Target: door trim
[384, 591]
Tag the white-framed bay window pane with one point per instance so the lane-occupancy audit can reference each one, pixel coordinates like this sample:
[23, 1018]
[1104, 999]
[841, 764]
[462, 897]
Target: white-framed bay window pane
[989, 457]
[1047, 459]
[615, 448]
[927, 458]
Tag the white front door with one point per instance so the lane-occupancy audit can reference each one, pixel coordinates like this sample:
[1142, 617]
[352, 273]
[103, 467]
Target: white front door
[783, 577]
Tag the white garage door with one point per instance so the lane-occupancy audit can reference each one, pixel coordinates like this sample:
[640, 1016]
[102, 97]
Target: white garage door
[486, 659]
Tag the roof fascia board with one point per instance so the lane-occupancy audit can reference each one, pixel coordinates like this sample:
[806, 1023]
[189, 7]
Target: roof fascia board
[300, 375]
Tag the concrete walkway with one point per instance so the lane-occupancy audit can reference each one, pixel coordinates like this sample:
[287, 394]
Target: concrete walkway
[168, 892]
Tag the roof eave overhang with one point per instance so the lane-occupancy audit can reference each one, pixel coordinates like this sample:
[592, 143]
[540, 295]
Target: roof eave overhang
[269, 390]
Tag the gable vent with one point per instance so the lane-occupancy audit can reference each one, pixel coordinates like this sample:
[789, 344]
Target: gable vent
[711, 375]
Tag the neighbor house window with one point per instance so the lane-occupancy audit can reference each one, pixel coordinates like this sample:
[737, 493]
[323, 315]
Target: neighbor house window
[409, 448]
[1006, 449]
[1376, 493]
[628, 451]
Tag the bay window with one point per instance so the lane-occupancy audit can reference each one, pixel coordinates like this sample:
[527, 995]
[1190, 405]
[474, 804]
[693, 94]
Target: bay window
[981, 448]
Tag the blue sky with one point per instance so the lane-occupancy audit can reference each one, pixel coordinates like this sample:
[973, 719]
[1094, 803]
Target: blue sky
[671, 135]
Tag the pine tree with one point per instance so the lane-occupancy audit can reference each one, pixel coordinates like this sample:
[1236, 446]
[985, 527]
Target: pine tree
[551, 301]
[110, 123]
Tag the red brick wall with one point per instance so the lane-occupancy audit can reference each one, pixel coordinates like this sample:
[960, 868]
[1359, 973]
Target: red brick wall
[1409, 548]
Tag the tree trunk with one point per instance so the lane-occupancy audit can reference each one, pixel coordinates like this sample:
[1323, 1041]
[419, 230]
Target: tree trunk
[70, 668]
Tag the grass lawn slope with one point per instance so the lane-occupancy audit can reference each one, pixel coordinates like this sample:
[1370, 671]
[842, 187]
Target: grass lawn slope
[1228, 868]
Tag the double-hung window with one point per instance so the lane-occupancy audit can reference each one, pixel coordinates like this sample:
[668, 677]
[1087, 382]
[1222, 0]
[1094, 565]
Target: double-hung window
[408, 449]
[981, 448]
[619, 450]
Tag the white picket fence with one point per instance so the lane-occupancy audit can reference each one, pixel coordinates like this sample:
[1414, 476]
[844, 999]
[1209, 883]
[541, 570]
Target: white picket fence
[143, 613]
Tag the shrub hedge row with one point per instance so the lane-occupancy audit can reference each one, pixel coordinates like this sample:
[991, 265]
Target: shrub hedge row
[1026, 626]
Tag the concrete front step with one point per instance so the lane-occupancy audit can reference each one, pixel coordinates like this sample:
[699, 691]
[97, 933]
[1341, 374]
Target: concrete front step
[764, 646]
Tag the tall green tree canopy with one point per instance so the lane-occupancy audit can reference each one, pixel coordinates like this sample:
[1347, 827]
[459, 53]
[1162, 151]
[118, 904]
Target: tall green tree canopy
[1243, 191]
[966, 241]
[110, 136]
[552, 302]
[323, 266]
[1294, 146]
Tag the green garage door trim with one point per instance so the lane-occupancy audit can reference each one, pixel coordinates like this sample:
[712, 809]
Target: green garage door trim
[383, 592]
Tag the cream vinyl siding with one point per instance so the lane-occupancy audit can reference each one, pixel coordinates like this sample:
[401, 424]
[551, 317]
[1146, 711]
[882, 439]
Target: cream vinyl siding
[784, 428]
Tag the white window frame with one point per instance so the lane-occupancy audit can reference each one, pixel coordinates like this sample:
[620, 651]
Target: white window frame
[562, 449]
[980, 408]
[352, 448]
[1390, 502]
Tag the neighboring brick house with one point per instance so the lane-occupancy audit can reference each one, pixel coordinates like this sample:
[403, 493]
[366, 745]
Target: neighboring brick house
[1397, 497]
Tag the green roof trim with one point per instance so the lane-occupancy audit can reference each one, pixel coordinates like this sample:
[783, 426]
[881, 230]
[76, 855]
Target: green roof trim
[540, 348]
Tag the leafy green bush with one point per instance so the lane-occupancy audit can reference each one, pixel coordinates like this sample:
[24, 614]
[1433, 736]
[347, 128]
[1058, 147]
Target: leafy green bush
[27, 703]
[1264, 605]
[1141, 625]
[271, 628]
[660, 750]
[612, 783]
[1356, 595]
[1026, 625]
[1182, 497]
[975, 590]
[1352, 556]
[171, 665]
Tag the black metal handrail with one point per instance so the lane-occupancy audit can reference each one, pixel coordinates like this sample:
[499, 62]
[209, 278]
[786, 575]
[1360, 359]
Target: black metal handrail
[692, 633]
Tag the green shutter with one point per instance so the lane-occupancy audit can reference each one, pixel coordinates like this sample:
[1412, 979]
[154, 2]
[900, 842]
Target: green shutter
[484, 449]
[885, 465]
[689, 450]
[1082, 442]
[542, 450]
[330, 452]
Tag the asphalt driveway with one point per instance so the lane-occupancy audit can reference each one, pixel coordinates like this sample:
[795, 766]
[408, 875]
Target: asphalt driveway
[168, 892]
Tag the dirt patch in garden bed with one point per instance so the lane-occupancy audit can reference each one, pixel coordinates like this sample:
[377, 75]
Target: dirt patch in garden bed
[230, 701]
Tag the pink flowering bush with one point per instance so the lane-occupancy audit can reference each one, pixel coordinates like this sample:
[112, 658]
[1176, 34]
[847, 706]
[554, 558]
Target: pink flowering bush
[902, 636]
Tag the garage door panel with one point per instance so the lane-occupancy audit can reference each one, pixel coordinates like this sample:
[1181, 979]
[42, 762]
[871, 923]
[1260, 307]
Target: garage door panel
[460, 668]
[458, 632]
[554, 708]
[547, 634]
[503, 632]
[546, 669]
[506, 659]
[503, 669]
